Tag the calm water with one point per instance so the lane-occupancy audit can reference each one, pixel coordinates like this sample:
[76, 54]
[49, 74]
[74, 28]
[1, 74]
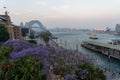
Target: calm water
[70, 40]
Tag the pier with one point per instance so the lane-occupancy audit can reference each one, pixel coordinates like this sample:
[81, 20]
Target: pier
[107, 49]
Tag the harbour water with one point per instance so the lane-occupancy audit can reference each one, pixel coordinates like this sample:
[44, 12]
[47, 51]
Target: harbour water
[73, 40]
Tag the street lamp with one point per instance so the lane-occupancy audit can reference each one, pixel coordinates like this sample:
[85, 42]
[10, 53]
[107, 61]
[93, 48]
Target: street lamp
[76, 47]
[109, 61]
[65, 44]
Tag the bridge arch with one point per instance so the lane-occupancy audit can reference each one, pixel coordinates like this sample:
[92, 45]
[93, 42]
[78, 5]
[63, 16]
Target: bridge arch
[35, 24]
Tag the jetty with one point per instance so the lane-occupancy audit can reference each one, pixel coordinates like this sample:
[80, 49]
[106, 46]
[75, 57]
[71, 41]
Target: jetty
[105, 48]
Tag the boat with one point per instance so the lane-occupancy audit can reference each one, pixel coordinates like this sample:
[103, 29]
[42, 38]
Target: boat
[93, 37]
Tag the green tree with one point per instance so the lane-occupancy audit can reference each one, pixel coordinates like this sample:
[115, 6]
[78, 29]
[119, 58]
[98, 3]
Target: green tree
[45, 35]
[4, 35]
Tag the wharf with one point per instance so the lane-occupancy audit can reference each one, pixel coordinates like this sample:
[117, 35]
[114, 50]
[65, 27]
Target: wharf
[107, 49]
[111, 46]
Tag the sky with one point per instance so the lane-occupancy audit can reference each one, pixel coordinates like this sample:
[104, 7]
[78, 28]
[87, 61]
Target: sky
[91, 14]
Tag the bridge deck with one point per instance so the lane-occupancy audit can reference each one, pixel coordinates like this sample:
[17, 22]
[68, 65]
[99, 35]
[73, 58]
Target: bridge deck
[111, 46]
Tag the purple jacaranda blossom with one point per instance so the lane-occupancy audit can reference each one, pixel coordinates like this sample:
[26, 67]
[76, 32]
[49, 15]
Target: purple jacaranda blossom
[70, 77]
[36, 51]
[86, 58]
[48, 55]
[47, 64]
[54, 56]
[18, 45]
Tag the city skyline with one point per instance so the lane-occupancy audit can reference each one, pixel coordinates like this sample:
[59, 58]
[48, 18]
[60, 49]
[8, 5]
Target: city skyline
[96, 14]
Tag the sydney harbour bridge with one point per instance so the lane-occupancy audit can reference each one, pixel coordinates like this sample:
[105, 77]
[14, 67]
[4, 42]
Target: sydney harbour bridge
[35, 28]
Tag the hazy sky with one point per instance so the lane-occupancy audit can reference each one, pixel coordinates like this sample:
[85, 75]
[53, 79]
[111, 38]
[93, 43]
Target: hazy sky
[65, 13]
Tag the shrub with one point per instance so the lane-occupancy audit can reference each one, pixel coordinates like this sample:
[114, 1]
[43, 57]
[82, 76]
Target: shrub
[27, 68]
[4, 54]
[89, 72]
